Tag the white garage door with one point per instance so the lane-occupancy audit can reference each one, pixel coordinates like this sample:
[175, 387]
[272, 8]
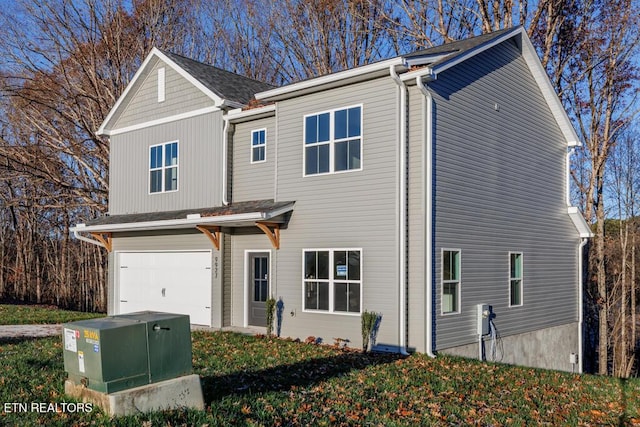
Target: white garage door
[174, 282]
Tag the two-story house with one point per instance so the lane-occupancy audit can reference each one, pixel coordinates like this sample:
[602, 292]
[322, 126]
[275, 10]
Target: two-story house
[418, 187]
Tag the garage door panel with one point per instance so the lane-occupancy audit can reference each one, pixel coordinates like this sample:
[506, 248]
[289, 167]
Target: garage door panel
[178, 282]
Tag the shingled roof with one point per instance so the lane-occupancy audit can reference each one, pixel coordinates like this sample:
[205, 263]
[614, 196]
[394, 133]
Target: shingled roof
[225, 84]
[457, 48]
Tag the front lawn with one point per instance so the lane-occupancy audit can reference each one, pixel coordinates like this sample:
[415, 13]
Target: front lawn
[12, 314]
[259, 381]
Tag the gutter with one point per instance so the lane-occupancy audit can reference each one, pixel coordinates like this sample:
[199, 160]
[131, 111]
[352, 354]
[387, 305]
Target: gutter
[225, 142]
[427, 208]
[78, 236]
[402, 226]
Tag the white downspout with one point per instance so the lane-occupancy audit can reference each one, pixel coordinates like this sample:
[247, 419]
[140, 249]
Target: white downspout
[568, 176]
[580, 303]
[427, 222]
[225, 129]
[403, 207]
[583, 242]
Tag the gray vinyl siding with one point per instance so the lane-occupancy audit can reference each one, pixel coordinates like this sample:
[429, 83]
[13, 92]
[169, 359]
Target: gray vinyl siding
[253, 181]
[199, 166]
[415, 224]
[500, 186]
[181, 96]
[172, 240]
[356, 209]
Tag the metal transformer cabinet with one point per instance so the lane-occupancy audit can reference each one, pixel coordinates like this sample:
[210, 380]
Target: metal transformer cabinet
[125, 351]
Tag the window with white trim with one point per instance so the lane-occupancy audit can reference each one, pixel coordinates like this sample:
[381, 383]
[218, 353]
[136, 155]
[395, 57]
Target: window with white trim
[515, 279]
[163, 167]
[450, 297]
[332, 280]
[333, 141]
[258, 145]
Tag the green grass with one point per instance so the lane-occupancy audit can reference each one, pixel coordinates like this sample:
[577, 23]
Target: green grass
[259, 381]
[11, 314]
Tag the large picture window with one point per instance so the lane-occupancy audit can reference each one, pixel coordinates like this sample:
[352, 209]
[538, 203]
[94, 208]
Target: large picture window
[333, 141]
[163, 167]
[515, 279]
[332, 280]
[450, 297]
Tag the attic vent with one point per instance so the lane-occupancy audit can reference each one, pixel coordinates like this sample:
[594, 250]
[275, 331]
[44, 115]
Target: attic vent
[161, 84]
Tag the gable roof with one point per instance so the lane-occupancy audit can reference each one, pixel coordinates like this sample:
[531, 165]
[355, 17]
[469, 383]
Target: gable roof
[224, 88]
[225, 84]
[433, 61]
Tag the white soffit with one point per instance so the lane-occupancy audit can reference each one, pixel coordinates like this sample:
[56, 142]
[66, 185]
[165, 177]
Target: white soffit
[579, 222]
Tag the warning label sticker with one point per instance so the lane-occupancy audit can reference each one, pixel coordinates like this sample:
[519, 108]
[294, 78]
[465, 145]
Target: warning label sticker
[70, 342]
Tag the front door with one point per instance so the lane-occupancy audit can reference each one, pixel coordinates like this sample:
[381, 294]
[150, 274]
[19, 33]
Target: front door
[258, 288]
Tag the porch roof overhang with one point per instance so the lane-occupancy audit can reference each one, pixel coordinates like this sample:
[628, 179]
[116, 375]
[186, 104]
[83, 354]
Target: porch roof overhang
[267, 215]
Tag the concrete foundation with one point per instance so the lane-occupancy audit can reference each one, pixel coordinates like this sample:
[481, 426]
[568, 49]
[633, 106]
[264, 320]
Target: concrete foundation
[549, 348]
[181, 392]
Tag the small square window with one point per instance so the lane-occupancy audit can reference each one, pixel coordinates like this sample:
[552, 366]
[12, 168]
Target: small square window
[258, 146]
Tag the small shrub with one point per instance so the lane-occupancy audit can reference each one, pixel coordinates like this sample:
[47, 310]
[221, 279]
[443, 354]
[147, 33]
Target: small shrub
[271, 310]
[369, 319]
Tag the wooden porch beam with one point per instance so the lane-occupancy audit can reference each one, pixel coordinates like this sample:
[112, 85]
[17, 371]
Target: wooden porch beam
[212, 232]
[104, 239]
[272, 230]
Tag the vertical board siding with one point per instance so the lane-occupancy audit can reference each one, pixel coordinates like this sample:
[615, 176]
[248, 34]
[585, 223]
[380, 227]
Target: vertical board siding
[199, 166]
[356, 209]
[181, 96]
[227, 272]
[253, 181]
[500, 186]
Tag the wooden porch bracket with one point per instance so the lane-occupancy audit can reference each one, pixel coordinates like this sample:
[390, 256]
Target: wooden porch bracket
[212, 232]
[105, 239]
[272, 230]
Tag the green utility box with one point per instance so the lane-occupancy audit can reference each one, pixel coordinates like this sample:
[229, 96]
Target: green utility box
[119, 352]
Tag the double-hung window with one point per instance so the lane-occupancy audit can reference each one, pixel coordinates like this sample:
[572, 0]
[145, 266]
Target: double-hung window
[333, 141]
[332, 280]
[163, 168]
[515, 279]
[450, 297]
[258, 145]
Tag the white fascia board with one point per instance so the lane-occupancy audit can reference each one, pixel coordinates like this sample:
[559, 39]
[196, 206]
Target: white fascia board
[161, 121]
[548, 92]
[236, 116]
[579, 222]
[317, 83]
[218, 102]
[478, 49]
[427, 59]
[187, 222]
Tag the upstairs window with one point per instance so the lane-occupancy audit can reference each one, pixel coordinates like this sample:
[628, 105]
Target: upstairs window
[333, 141]
[163, 168]
[258, 146]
